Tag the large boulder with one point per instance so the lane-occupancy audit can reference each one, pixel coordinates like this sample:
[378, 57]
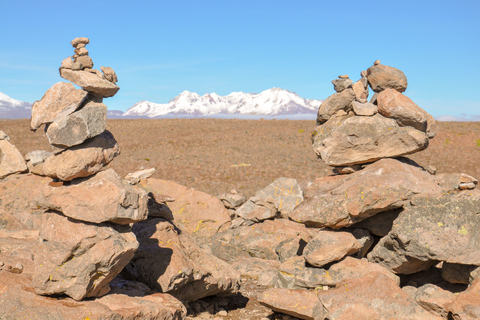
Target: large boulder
[11, 160]
[75, 128]
[342, 200]
[169, 261]
[59, 101]
[104, 197]
[381, 77]
[79, 259]
[259, 240]
[335, 102]
[196, 213]
[83, 160]
[90, 82]
[349, 140]
[432, 229]
[373, 296]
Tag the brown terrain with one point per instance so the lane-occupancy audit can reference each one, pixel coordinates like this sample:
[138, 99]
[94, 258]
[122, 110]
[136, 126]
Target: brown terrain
[216, 156]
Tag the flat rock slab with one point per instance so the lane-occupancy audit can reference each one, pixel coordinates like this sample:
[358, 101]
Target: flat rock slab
[432, 229]
[90, 82]
[59, 101]
[284, 193]
[11, 160]
[350, 140]
[381, 77]
[196, 213]
[104, 197]
[259, 240]
[328, 246]
[83, 160]
[79, 259]
[75, 128]
[342, 200]
[171, 262]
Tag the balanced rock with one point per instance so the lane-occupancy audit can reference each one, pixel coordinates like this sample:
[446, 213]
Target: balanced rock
[169, 261]
[11, 160]
[90, 82]
[35, 160]
[74, 129]
[335, 102]
[82, 160]
[79, 259]
[104, 197]
[109, 74]
[328, 246]
[58, 102]
[79, 40]
[349, 140]
[135, 177]
[432, 229]
[364, 109]
[342, 200]
[360, 88]
[342, 84]
[381, 77]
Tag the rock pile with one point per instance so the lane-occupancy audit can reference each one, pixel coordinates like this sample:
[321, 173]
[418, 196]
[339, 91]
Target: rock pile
[85, 239]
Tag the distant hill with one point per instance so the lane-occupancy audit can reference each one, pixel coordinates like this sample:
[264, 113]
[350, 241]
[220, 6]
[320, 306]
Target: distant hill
[12, 109]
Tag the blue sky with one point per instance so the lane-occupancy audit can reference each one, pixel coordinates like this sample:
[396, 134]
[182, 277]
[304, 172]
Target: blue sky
[161, 48]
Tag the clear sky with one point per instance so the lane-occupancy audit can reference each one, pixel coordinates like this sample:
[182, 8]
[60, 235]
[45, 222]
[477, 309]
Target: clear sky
[161, 48]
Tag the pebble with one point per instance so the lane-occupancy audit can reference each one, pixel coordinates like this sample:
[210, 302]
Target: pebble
[377, 62]
[345, 76]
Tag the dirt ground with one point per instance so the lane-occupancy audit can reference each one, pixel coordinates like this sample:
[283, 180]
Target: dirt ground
[215, 156]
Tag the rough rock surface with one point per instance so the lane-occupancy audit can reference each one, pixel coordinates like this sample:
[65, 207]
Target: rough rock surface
[364, 109]
[11, 160]
[284, 193]
[342, 200]
[171, 262]
[75, 128]
[349, 140]
[335, 102]
[432, 229]
[79, 259]
[259, 240]
[58, 102]
[381, 77]
[104, 197]
[196, 213]
[83, 160]
[466, 305]
[328, 246]
[90, 82]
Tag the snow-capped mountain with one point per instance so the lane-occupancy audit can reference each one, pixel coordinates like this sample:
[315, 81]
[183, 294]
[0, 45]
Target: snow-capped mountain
[271, 102]
[11, 108]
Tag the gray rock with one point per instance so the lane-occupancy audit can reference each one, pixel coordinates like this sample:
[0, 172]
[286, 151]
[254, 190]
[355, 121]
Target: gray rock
[459, 273]
[290, 248]
[341, 84]
[35, 160]
[90, 82]
[232, 200]
[432, 229]
[365, 239]
[350, 140]
[381, 77]
[109, 74]
[4, 136]
[364, 109]
[74, 129]
[335, 102]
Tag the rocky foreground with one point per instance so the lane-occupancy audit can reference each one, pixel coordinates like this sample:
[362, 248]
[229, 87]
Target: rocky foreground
[382, 238]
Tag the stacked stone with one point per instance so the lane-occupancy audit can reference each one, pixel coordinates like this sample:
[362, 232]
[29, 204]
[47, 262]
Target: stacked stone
[85, 238]
[352, 131]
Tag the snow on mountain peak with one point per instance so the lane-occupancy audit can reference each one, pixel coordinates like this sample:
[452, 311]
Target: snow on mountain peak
[271, 102]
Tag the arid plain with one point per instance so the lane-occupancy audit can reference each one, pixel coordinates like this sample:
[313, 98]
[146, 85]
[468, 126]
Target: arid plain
[218, 155]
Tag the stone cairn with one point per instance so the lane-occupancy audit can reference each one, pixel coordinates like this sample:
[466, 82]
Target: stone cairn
[85, 238]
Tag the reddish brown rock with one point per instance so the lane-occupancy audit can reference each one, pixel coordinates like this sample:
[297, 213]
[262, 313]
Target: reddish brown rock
[79, 259]
[104, 197]
[381, 77]
[342, 200]
[11, 160]
[169, 261]
[59, 101]
[466, 305]
[83, 160]
[434, 299]
[90, 82]
[302, 304]
[393, 104]
[349, 140]
[109, 74]
[328, 246]
[196, 213]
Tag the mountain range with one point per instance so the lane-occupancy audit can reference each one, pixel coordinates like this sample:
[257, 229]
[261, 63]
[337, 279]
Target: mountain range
[11, 108]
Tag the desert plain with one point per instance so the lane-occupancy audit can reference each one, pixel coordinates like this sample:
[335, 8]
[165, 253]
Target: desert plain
[218, 155]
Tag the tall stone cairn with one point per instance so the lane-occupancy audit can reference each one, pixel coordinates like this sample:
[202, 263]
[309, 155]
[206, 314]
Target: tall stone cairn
[351, 131]
[85, 238]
